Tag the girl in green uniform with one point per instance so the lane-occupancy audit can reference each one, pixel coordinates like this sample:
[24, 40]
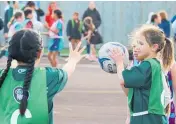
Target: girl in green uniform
[145, 82]
[27, 91]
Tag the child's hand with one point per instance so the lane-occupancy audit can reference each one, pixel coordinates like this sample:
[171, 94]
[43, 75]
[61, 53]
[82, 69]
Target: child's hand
[54, 31]
[75, 55]
[117, 56]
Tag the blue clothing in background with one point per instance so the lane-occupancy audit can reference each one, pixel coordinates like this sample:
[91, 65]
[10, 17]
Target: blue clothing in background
[57, 44]
[173, 19]
[135, 62]
[165, 26]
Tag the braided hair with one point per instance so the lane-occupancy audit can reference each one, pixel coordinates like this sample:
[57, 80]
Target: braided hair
[23, 47]
[26, 86]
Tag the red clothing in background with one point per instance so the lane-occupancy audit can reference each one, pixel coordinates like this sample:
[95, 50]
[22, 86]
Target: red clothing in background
[48, 17]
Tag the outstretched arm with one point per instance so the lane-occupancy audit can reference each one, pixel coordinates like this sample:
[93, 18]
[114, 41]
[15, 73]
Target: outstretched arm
[74, 57]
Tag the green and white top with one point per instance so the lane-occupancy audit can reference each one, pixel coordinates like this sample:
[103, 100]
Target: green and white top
[46, 82]
[146, 96]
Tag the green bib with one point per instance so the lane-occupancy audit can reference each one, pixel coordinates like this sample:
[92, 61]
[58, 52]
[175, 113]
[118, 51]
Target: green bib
[80, 25]
[156, 98]
[11, 94]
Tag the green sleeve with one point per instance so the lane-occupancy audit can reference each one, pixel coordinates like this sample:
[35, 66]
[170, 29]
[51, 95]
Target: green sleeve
[56, 80]
[138, 76]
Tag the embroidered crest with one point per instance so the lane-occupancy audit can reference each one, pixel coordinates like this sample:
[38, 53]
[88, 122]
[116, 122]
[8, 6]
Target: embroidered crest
[18, 94]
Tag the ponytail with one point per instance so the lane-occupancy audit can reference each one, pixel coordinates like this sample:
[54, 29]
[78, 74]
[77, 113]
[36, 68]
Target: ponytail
[4, 74]
[168, 54]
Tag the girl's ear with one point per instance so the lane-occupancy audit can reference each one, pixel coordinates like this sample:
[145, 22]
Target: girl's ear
[155, 47]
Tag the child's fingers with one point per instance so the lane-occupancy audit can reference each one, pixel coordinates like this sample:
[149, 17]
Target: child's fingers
[82, 49]
[78, 46]
[118, 51]
[112, 55]
[70, 47]
[114, 52]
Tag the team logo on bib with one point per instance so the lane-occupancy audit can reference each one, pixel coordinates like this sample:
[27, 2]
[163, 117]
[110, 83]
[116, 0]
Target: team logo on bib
[21, 71]
[18, 94]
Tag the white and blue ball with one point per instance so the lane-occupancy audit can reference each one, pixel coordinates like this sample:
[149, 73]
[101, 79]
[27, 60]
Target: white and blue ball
[106, 62]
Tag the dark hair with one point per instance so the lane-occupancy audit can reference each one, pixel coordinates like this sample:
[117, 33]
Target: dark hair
[58, 13]
[8, 2]
[30, 4]
[27, 12]
[130, 51]
[1, 24]
[18, 14]
[23, 47]
[154, 16]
